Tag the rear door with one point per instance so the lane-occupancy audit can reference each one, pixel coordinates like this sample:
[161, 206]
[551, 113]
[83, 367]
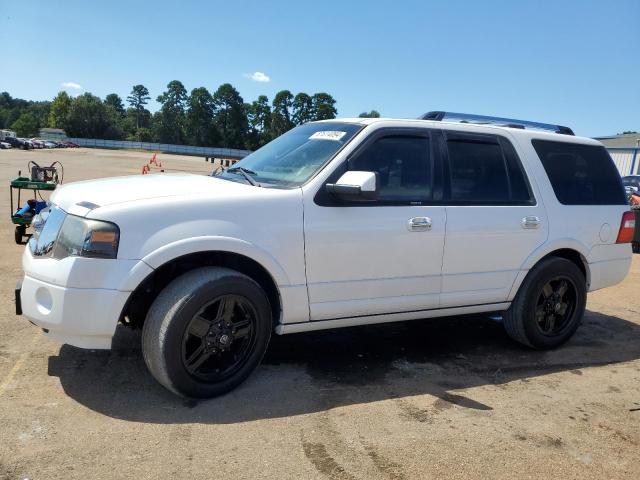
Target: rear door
[493, 219]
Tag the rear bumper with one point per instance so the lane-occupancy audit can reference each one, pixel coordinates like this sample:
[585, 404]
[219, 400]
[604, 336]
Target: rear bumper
[608, 273]
[608, 265]
[83, 317]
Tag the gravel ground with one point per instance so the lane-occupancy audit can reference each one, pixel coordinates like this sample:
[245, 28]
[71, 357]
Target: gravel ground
[444, 398]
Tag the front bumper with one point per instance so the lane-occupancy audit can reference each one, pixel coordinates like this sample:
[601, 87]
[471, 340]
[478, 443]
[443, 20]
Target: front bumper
[83, 317]
[77, 300]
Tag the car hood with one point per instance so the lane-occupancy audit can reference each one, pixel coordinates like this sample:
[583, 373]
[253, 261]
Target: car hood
[81, 197]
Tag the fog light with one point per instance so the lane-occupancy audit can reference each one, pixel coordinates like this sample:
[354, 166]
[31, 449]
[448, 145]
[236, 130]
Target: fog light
[44, 300]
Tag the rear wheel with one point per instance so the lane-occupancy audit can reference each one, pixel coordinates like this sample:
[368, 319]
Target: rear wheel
[635, 246]
[549, 305]
[206, 332]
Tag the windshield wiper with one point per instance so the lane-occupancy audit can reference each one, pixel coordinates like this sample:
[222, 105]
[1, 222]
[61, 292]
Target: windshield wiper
[246, 173]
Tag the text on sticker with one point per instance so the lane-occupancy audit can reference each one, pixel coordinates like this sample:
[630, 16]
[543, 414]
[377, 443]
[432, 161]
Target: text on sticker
[328, 135]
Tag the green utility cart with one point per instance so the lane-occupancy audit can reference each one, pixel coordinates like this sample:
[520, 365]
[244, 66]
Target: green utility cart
[17, 185]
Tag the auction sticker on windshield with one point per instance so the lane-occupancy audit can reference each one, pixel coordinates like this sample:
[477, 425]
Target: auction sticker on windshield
[328, 135]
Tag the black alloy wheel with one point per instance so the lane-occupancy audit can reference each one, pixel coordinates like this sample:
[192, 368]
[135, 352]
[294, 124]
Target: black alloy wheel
[556, 305]
[219, 337]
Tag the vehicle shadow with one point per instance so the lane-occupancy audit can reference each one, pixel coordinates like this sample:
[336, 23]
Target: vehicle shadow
[316, 371]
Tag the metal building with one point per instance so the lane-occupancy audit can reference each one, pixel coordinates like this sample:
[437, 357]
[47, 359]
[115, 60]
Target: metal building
[625, 151]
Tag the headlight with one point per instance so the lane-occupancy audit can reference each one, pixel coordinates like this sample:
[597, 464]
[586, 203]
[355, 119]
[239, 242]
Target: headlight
[82, 237]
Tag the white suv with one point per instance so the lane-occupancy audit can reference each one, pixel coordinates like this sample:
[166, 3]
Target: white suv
[334, 224]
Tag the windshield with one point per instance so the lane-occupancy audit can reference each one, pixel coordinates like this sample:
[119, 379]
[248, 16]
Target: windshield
[293, 158]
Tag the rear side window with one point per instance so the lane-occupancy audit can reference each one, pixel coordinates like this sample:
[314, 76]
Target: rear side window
[485, 170]
[581, 174]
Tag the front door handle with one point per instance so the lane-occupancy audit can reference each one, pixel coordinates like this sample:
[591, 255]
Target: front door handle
[419, 224]
[530, 222]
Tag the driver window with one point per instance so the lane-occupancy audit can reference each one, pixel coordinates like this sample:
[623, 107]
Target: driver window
[403, 164]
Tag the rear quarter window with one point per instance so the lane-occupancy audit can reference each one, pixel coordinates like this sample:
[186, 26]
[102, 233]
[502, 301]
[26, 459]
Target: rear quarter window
[581, 174]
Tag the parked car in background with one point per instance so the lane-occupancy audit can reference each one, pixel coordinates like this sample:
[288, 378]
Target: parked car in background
[70, 144]
[16, 143]
[632, 186]
[632, 181]
[50, 144]
[5, 145]
[27, 142]
[37, 143]
[334, 224]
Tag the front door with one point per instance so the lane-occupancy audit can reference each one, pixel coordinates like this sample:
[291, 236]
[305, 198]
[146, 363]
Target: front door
[383, 256]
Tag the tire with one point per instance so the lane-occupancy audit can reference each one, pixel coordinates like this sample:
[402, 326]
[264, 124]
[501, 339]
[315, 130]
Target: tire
[193, 314]
[19, 233]
[635, 247]
[534, 318]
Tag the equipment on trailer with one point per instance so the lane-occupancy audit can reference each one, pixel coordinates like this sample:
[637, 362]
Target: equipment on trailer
[41, 178]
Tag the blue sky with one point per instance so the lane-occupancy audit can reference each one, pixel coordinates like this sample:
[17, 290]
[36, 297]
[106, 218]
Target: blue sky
[568, 62]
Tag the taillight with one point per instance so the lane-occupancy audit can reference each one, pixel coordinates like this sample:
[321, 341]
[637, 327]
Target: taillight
[627, 227]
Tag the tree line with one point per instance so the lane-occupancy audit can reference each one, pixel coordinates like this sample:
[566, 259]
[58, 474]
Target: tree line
[221, 118]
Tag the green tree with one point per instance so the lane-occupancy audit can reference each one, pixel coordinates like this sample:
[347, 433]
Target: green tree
[5, 100]
[41, 111]
[230, 116]
[371, 114]
[142, 134]
[59, 112]
[302, 108]
[132, 118]
[138, 98]
[201, 129]
[172, 120]
[281, 121]
[117, 121]
[26, 125]
[114, 100]
[324, 106]
[259, 115]
[6, 104]
[88, 117]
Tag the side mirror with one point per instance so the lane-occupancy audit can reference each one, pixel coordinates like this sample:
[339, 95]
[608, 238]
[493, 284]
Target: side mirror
[355, 186]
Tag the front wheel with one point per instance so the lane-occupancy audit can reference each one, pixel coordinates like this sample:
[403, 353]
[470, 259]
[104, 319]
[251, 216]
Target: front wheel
[206, 332]
[549, 305]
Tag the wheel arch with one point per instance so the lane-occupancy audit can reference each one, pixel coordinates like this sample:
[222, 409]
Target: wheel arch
[134, 311]
[575, 252]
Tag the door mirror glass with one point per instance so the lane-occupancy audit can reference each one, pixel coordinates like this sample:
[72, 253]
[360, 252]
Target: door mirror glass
[355, 185]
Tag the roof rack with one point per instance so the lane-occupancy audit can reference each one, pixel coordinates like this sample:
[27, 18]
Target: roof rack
[499, 121]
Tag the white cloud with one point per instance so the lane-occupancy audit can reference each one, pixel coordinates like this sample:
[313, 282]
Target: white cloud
[71, 85]
[258, 77]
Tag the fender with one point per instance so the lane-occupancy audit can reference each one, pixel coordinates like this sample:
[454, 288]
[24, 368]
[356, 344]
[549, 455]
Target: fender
[179, 248]
[135, 276]
[544, 250]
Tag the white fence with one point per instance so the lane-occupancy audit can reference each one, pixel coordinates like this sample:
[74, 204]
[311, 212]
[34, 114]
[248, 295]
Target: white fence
[626, 159]
[212, 152]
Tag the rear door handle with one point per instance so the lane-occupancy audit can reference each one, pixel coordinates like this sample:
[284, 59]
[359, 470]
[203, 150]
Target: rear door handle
[530, 222]
[419, 224]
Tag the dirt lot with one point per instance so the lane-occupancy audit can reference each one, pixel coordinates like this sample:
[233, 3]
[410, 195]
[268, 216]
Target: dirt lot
[448, 398]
